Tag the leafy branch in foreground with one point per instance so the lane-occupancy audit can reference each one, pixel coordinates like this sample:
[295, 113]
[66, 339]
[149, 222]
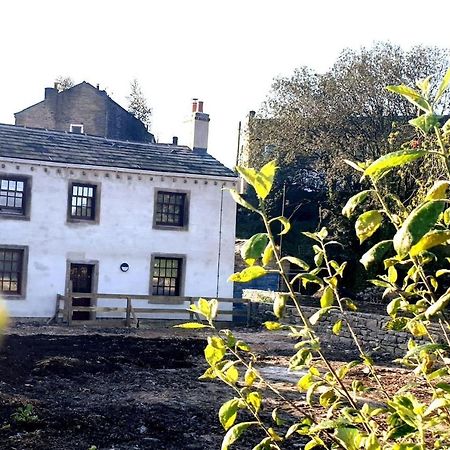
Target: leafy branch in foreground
[341, 410]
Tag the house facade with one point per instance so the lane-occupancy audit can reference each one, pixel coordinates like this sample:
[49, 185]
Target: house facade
[108, 216]
[84, 109]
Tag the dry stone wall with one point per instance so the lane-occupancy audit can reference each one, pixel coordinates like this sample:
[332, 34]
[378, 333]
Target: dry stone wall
[380, 343]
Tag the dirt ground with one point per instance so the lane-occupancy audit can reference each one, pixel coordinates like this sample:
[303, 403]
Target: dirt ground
[114, 388]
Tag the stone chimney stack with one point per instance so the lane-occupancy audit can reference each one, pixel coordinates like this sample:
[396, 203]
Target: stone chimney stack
[199, 127]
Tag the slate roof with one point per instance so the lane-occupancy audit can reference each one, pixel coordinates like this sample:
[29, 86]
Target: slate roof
[68, 148]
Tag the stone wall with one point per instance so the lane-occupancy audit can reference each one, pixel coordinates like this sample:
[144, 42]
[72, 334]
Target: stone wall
[380, 343]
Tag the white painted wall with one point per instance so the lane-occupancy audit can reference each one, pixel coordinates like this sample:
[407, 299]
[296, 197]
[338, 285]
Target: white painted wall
[124, 234]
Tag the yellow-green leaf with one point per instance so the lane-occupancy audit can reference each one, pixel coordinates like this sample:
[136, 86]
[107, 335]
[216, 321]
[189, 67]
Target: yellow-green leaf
[393, 159]
[240, 201]
[417, 328]
[253, 247]
[367, 223]
[214, 354]
[443, 86]
[279, 305]
[337, 327]
[234, 433]
[430, 240]
[297, 261]
[284, 222]
[248, 274]
[354, 165]
[418, 223]
[232, 375]
[353, 202]
[392, 274]
[272, 326]
[412, 96]
[375, 253]
[250, 376]
[192, 325]
[327, 298]
[267, 255]
[228, 413]
[438, 306]
[265, 179]
[254, 399]
[438, 191]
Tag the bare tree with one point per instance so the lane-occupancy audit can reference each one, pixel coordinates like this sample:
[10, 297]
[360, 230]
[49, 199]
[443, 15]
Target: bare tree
[137, 104]
[63, 82]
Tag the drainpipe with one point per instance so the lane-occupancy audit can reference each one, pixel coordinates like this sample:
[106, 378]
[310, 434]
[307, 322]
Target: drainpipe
[220, 243]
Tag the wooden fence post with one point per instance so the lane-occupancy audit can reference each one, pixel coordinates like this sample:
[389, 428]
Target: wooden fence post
[69, 304]
[249, 312]
[128, 313]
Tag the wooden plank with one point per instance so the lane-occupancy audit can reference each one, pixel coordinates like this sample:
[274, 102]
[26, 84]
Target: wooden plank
[100, 309]
[160, 299]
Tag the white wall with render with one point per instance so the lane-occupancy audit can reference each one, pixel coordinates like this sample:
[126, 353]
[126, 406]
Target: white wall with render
[124, 233]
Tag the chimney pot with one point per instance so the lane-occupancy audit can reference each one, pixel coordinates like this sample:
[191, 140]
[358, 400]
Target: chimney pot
[200, 107]
[194, 105]
[175, 140]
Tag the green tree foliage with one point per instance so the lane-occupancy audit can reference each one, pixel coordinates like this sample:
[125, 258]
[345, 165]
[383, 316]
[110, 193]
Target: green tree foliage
[138, 105]
[315, 121]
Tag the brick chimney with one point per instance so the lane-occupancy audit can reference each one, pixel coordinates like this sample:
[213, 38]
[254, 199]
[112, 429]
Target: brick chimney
[199, 124]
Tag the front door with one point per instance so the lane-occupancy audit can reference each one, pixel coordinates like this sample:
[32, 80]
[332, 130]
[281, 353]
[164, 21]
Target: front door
[81, 276]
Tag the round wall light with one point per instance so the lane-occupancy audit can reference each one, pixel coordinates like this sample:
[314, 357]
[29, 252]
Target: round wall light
[124, 267]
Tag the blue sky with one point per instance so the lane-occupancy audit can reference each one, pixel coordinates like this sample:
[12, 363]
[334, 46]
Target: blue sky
[225, 53]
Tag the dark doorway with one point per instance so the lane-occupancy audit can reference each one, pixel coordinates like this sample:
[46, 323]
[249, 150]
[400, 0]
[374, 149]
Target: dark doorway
[81, 276]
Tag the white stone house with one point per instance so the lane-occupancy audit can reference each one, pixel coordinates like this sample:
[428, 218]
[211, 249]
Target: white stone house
[110, 216]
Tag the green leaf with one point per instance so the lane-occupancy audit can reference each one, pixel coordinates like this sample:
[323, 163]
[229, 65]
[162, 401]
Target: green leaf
[430, 240]
[240, 201]
[438, 306]
[234, 433]
[248, 274]
[412, 96]
[372, 442]
[327, 298]
[367, 223]
[425, 122]
[393, 159]
[192, 325]
[353, 202]
[337, 327]
[418, 223]
[307, 278]
[438, 191]
[254, 247]
[297, 261]
[443, 86]
[424, 86]
[250, 376]
[228, 413]
[213, 354]
[311, 235]
[279, 305]
[285, 222]
[375, 254]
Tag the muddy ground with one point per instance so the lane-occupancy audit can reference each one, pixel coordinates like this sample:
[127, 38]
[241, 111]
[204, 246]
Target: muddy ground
[113, 389]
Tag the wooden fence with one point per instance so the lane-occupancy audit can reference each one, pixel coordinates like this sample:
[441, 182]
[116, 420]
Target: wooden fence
[134, 305]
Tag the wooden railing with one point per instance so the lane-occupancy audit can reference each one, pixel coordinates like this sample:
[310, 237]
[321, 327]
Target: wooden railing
[129, 309]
